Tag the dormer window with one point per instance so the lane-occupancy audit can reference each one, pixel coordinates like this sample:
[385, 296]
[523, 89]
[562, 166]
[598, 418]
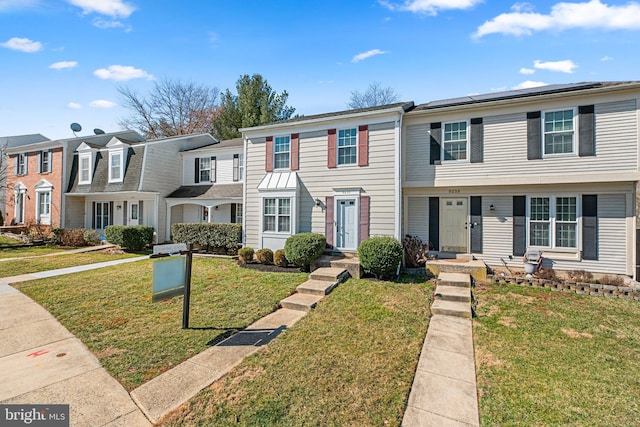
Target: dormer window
[116, 160]
[85, 169]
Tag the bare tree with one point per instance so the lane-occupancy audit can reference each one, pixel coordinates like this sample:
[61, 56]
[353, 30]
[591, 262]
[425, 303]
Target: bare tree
[374, 95]
[172, 107]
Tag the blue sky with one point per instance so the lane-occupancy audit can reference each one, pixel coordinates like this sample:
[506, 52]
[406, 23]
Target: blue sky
[61, 60]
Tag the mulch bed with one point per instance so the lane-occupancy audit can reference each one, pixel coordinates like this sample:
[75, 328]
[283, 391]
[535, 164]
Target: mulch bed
[270, 268]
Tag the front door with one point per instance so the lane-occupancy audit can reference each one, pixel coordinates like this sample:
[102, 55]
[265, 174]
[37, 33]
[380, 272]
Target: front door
[453, 225]
[133, 213]
[346, 224]
[19, 213]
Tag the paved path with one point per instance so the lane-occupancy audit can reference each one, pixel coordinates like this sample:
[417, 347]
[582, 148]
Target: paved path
[64, 252]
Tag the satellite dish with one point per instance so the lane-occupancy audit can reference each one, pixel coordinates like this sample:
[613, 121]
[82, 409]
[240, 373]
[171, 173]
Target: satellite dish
[98, 131]
[75, 127]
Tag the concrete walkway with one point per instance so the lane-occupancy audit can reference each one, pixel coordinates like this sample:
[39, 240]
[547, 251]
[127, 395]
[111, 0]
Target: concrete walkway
[64, 252]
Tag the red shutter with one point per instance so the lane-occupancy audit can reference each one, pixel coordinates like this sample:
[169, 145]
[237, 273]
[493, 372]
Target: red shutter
[295, 151]
[269, 155]
[363, 145]
[331, 148]
[328, 220]
[364, 217]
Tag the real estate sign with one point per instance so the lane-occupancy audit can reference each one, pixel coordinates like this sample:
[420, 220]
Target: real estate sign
[168, 277]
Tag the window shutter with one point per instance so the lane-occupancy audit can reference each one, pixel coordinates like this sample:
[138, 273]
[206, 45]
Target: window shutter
[331, 148]
[26, 163]
[17, 159]
[476, 224]
[363, 146]
[328, 220]
[213, 169]
[233, 213]
[140, 213]
[269, 154]
[590, 227]
[50, 165]
[534, 136]
[295, 151]
[93, 215]
[434, 143]
[365, 202]
[477, 141]
[110, 213]
[434, 222]
[236, 167]
[125, 213]
[40, 162]
[519, 225]
[586, 131]
[196, 177]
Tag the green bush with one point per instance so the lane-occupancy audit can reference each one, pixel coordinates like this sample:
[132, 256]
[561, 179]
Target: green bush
[91, 237]
[264, 256]
[218, 236]
[380, 256]
[131, 237]
[304, 248]
[245, 254]
[280, 259]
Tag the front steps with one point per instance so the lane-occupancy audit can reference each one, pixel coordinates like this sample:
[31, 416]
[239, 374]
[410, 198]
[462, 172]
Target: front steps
[462, 264]
[343, 261]
[453, 295]
[320, 283]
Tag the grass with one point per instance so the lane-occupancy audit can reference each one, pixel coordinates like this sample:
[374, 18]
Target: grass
[34, 265]
[5, 240]
[28, 251]
[351, 361]
[110, 310]
[547, 358]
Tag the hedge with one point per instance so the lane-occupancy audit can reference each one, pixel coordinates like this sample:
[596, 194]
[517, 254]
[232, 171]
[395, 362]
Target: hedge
[380, 256]
[131, 237]
[215, 235]
[304, 248]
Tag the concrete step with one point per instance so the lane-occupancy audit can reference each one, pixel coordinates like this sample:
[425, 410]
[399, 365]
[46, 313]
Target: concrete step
[349, 263]
[316, 287]
[461, 280]
[476, 268]
[453, 293]
[451, 308]
[301, 302]
[329, 274]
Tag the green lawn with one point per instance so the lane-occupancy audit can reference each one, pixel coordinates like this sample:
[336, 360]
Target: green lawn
[29, 251]
[5, 240]
[110, 310]
[34, 265]
[549, 358]
[351, 361]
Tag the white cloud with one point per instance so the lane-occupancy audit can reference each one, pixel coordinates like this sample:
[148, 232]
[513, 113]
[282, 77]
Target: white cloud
[429, 7]
[606, 58]
[74, 106]
[527, 70]
[113, 8]
[22, 44]
[63, 64]
[368, 54]
[527, 84]
[566, 66]
[563, 16]
[122, 73]
[105, 24]
[102, 103]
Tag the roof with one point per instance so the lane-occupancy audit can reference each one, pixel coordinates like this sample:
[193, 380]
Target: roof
[227, 143]
[20, 140]
[279, 181]
[100, 180]
[213, 191]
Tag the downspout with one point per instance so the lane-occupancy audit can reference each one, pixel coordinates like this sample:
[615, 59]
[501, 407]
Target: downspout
[244, 191]
[398, 179]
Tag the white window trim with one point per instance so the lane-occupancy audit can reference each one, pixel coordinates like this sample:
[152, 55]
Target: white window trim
[293, 214]
[39, 195]
[112, 154]
[19, 191]
[574, 152]
[201, 169]
[346, 165]
[241, 165]
[239, 206]
[288, 152]
[22, 159]
[552, 223]
[82, 157]
[442, 142]
[49, 155]
[346, 195]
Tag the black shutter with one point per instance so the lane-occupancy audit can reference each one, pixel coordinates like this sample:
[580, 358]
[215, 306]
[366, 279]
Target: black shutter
[519, 225]
[434, 144]
[477, 141]
[434, 222]
[233, 213]
[534, 136]
[213, 169]
[586, 131]
[110, 214]
[476, 224]
[93, 215]
[590, 227]
[140, 213]
[236, 167]
[125, 211]
[196, 177]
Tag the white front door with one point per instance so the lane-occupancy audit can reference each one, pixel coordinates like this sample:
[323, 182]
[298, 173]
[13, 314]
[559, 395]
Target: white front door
[133, 213]
[453, 225]
[19, 213]
[346, 224]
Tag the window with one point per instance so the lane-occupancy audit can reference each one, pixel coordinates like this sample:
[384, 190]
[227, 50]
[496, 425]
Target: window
[115, 167]
[553, 222]
[558, 132]
[238, 211]
[20, 196]
[281, 152]
[45, 161]
[85, 170]
[277, 215]
[240, 166]
[44, 207]
[205, 169]
[455, 141]
[21, 164]
[347, 147]
[103, 216]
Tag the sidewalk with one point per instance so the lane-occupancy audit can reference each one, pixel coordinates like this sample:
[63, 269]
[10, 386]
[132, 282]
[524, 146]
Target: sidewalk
[65, 252]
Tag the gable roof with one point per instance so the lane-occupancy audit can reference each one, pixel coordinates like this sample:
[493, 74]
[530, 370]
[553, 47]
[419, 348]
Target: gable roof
[227, 143]
[20, 140]
[210, 192]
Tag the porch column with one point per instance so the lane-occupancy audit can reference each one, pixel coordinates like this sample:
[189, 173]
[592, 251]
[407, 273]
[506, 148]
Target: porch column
[209, 213]
[168, 225]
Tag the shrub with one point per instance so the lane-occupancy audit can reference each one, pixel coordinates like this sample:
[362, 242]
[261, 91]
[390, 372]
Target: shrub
[546, 274]
[264, 256]
[91, 237]
[380, 256]
[69, 236]
[415, 251]
[581, 276]
[280, 259]
[131, 237]
[304, 248]
[220, 236]
[245, 254]
[611, 280]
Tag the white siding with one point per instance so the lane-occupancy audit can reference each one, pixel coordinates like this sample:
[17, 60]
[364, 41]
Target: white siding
[416, 154]
[417, 214]
[74, 212]
[224, 165]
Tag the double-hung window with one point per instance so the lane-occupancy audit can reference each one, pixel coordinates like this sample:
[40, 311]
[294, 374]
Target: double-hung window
[347, 146]
[553, 222]
[205, 169]
[115, 167]
[21, 164]
[241, 167]
[45, 161]
[277, 215]
[454, 144]
[559, 132]
[85, 169]
[281, 149]
[44, 207]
